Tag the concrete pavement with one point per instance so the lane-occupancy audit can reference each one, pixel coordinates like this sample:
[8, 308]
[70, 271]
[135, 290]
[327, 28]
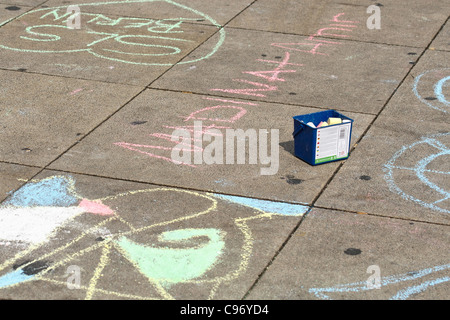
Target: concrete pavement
[93, 205]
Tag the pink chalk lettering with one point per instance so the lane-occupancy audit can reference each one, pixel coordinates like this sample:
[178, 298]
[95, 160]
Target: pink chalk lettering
[240, 112]
[168, 137]
[342, 25]
[289, 46]
[249, 92]
[312, 38]
[276, 71]
[232, 101]
[320, 32]
[204, 131]
[335, 19]
[133, 147]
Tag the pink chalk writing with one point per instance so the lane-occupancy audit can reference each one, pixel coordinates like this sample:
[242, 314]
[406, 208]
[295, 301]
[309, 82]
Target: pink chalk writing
[335, 19]
[204, 114]
[269, 75]
[236, 117]
[312, 46]
[231, 111]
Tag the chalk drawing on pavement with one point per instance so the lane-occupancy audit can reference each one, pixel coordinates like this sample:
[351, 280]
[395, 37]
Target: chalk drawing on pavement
[138, 41]
[403, 294]
[421, 172]
[432, 88]
[178, 246]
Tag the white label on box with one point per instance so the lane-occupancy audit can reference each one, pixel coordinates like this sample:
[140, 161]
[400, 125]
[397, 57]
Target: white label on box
[332, 143]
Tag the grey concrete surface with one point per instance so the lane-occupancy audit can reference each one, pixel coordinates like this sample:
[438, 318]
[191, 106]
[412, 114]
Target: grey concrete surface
[94, 206]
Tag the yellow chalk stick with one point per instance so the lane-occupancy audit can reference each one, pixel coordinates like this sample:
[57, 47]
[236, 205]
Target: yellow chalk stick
[322, 124]
[334, 121]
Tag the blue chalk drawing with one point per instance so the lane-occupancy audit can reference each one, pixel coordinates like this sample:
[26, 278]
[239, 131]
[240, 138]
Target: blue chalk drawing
[280, 208]
[438, 90]
[14, 277]
[56, 191]
[439, 102]
[356, 287]
[420, 169]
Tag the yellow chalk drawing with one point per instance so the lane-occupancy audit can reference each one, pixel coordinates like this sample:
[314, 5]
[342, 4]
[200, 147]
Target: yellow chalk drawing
[104, 260]
[186, 246]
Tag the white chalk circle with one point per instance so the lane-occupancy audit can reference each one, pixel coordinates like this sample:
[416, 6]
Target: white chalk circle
[133, 40]
[432, 88]
[421, 169]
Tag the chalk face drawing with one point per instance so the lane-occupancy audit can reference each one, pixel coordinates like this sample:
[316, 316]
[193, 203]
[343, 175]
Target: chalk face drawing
[152, 234]
[433, 88]
[424, 171]
[139, 41]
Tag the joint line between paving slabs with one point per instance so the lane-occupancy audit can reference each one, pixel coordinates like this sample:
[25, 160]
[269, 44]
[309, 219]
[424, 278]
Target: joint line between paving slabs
[276, 253]
[20, 15]
[340, 166]
[327, 37]
[72, 77]
[383, 216]
[212, 35]
[74, 144]
[255, 100]
[163, 185]
[378, 114]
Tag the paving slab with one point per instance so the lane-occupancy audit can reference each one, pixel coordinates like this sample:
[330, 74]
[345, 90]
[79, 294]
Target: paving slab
[405, 154]
[213, 12]
[12, 176]
[133, 145]
[25, 3]
[411, 25]
[93, 204]
[345, 256]
[266, 66]
[8, 12]
[426, 91]
[106, 49]
[442, 40]
[94, 238]
[42, 116]
[399, 169]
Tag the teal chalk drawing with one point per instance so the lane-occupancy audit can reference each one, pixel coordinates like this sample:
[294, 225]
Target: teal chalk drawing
[437, 99]
[420, 170]
[272, 207]
[55, 191]
[170, 265]
[39, 212]
[358, 287]
[28, 43]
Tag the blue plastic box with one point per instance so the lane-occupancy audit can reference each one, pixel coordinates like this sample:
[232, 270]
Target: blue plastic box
[322, 145]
